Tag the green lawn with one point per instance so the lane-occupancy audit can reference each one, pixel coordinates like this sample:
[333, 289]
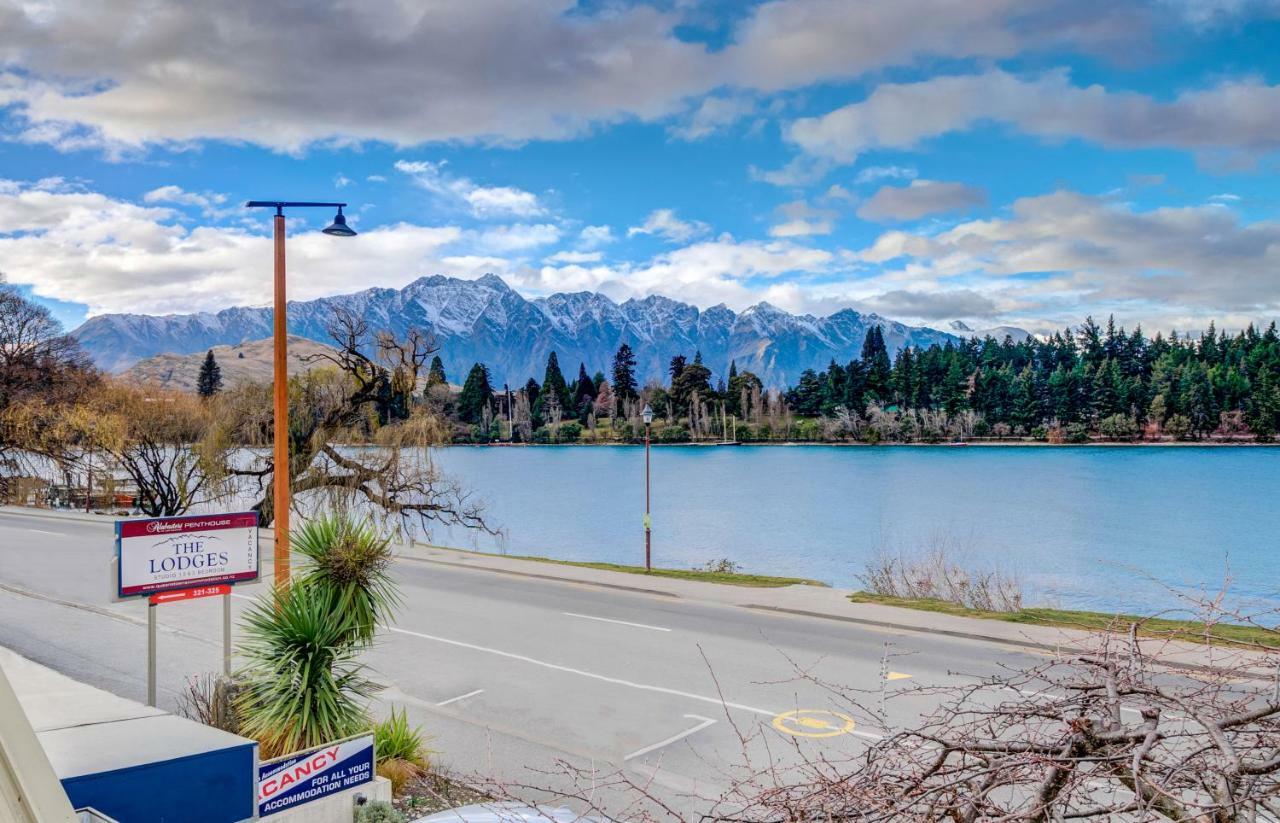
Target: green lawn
[1189, 630]
[728, 578]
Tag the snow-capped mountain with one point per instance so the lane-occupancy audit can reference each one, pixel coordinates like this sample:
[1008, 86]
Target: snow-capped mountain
[487, 321]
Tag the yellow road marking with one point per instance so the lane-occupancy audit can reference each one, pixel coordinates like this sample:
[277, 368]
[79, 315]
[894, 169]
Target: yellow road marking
[897, 676]
[813, 723]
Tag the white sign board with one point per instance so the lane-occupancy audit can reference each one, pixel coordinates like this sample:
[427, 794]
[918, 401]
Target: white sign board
[168, 553]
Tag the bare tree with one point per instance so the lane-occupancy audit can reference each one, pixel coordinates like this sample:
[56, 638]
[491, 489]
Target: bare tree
[1122, 731]
[357, 399]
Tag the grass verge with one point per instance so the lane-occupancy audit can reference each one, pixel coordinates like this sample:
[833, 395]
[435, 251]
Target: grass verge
[762, 581]
[1188, 630]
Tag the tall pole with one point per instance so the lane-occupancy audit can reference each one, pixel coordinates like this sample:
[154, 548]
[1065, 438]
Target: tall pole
[280, 480]
[648, 560]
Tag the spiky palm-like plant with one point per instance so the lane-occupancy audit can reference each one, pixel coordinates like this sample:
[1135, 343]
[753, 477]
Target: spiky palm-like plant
[301, 685]
[348, 561]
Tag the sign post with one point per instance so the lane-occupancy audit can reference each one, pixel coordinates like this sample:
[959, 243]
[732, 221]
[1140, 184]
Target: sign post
[185, 558]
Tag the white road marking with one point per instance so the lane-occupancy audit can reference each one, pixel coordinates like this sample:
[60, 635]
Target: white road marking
[460, 697]
[619, 622]
[617, 681]
[706, 721]
[42, 531]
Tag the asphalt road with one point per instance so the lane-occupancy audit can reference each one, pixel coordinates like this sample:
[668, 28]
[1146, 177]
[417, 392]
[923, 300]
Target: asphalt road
[511, 676]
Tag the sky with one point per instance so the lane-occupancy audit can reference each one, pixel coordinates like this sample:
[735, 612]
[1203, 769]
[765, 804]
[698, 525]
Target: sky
[1021, 162]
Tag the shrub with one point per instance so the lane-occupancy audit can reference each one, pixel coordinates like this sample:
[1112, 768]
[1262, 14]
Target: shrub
[402, 753]
[210, 699]
[378, 812]
[936, 574]
[348, 562]
[673, 434]
[302, 686]
[722, 566]
[569, 432]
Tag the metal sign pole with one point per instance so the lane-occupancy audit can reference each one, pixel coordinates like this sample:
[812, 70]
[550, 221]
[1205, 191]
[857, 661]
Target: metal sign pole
[226, 634]
[151, 653]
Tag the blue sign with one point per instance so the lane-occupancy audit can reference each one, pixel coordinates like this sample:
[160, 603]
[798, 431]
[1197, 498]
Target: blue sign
[290, 781]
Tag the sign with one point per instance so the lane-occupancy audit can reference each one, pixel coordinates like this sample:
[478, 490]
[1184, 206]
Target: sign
[167, 553]
[189, 594]
[290, 781]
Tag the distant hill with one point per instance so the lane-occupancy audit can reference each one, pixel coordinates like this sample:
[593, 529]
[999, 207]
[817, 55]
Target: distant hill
[487, 321]
[241, 363]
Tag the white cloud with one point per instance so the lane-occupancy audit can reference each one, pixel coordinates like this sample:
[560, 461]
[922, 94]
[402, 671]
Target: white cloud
[482, 201]
[176, 194]
[920, 199]
[592, 237]
[118, 256]
[1073, 254]
[518, 237]
[802, 220]
[575, 257]
[664, 223]
[712, 115]
[341, 181]
[132, 73]
[1239, 115]
[376, 178]
[874, 174]
[1226, 197]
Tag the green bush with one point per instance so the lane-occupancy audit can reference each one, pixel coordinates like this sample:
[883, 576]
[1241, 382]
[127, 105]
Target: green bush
[302, 686]
[402, 752]
[378, 812]
[569, 432]
[673, 434]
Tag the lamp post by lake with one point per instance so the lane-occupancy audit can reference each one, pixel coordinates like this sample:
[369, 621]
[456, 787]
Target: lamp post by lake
[280, 435]
[647, 414]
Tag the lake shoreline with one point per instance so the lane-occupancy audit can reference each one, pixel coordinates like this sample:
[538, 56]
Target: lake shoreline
[1180, 444]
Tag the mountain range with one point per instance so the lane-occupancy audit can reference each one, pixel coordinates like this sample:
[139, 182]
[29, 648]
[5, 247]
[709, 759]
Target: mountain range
[487, 321]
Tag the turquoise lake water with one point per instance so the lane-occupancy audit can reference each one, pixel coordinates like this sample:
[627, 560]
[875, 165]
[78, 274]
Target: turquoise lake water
[1086, 527]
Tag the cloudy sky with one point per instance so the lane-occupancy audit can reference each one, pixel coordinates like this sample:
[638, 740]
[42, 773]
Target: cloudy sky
[996, 161]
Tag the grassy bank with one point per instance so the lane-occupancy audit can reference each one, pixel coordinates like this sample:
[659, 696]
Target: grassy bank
[728, 578]
[1189, 630]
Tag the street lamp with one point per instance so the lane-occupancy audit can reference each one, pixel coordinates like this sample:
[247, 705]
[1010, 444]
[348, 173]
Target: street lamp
[280, 436]
[647, 414]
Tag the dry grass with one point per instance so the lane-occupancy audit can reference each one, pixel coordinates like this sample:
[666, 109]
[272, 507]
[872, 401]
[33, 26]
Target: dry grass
[937, 574]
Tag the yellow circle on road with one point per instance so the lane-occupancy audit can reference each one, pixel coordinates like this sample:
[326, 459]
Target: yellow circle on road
[813, 723]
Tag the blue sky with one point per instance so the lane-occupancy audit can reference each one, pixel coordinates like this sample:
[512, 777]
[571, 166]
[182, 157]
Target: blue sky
[993, 161]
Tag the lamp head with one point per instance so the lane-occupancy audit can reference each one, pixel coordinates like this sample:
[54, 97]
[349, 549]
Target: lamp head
[340, 227]
[647, 414]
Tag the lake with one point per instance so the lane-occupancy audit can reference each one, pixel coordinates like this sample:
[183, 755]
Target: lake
[1082, 527]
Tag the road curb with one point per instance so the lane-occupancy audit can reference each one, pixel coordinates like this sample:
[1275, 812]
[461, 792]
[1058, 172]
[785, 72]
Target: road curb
[908, 627]
[986, 638]
[514, 573]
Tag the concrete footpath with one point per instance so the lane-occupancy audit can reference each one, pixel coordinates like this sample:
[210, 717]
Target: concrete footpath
[807, 601]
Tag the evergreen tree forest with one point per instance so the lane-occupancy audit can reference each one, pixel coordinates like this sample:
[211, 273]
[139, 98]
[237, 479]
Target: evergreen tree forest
[1094, 383]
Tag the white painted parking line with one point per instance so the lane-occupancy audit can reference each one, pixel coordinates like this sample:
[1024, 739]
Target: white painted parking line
[617, 681]
[618, 622]
[460, 697]
[42, 531]
[706, 721]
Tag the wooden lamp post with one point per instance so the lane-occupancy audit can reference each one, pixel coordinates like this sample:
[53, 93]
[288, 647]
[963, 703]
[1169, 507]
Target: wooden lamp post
[280, 435]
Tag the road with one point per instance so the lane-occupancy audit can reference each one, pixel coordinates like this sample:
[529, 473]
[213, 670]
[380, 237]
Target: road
[512, 675]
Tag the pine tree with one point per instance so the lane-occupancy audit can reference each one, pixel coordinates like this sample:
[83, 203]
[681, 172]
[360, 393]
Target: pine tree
[624, 374]
[553, 384]
[435, 375]
[476, 394]
[209, 382]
